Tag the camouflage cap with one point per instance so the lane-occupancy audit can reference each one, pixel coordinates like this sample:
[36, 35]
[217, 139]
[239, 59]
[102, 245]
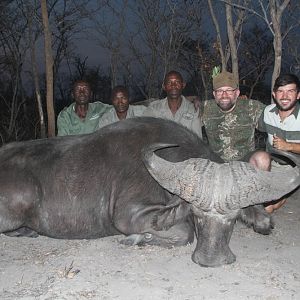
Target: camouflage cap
[225, 79]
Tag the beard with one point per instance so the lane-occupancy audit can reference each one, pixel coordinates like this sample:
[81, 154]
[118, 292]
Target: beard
[286, 107]
[226, 105]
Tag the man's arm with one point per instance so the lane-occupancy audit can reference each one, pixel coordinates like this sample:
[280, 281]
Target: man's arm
[150, 112]
[138, 110]
[196, 125]
[195, 100]
[62, 125]
[281, 144]
[107, 118]
[261, 126]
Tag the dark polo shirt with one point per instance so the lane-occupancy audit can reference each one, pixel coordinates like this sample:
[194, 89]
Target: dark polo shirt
[288, 129]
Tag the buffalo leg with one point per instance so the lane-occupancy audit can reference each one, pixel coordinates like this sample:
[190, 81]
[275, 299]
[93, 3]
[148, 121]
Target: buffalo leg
[178, 235]
[18, 193]
[22, 232]
[160, 225]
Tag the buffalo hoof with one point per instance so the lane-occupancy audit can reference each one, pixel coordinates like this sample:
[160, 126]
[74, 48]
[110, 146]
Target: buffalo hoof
[137, 239]
[21, 232]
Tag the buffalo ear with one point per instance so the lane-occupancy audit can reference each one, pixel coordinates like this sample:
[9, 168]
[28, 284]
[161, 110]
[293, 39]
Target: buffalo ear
[170, 215]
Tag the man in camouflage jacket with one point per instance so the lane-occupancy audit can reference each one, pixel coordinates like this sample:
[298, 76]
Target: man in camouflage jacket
[230, 124]
[230, 121]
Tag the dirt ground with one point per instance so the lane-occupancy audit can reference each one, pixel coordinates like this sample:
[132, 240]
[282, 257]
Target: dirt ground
[267, 267]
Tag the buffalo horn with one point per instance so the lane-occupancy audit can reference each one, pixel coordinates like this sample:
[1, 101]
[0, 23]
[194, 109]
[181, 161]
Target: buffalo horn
[225, 187]
[182, 178]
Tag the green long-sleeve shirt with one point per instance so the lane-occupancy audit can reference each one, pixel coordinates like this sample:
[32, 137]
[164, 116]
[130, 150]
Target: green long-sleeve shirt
[68, 122]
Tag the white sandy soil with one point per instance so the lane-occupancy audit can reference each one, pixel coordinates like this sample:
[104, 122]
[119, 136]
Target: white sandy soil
[267, 267]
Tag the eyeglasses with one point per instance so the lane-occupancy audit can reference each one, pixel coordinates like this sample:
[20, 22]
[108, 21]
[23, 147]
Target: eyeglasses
[228, 92]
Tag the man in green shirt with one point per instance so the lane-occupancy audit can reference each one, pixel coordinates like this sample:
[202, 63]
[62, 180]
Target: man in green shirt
[82, 116]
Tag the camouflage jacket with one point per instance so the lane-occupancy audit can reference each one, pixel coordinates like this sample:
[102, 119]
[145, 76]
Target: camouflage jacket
[231, 135]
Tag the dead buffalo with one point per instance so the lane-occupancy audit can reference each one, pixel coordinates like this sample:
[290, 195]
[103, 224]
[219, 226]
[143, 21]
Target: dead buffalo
[97, 185]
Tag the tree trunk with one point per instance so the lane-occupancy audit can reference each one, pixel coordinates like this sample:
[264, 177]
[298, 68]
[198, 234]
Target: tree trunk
[218, 31]
[49, 70]
[231, 40]
[204, 84]
[277, 43]
[276, 13]
[36, 81]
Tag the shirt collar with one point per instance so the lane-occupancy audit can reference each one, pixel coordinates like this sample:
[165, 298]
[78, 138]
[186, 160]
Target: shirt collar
[295, 111]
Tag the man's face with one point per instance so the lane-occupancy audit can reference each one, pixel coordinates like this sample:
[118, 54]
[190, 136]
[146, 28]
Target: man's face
[120, 102]
[82, 93]
[286, 96]
[226, 97]
[173, 85]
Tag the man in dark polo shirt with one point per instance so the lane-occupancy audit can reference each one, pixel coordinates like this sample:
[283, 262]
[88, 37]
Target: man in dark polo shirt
[281, 121]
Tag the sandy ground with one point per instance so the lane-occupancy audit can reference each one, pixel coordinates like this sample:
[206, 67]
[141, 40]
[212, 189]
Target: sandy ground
[267, 267]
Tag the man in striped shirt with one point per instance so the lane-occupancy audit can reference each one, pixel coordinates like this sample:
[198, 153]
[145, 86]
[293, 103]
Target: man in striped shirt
[281, 121]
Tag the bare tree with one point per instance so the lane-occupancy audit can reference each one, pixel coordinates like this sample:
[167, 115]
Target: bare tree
[234, 29]
[293, 46]
[109, 30]
[12, 57]
[233, 33]
[255, 61]
[143, 39]
[67, 18]
[30, 13]
[49, 69]
[276, 11]
[219, 44]
[162, 29]
[271, 12]
[199, 58]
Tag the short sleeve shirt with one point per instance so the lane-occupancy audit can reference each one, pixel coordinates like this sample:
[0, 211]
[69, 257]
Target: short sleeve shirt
[231, 134]
[186, 114]
[288, 129]
[68, 122]
[111, 116]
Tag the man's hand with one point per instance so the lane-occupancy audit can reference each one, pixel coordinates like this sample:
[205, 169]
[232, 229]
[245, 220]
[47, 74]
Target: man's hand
[281, 144]
[195, 100]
